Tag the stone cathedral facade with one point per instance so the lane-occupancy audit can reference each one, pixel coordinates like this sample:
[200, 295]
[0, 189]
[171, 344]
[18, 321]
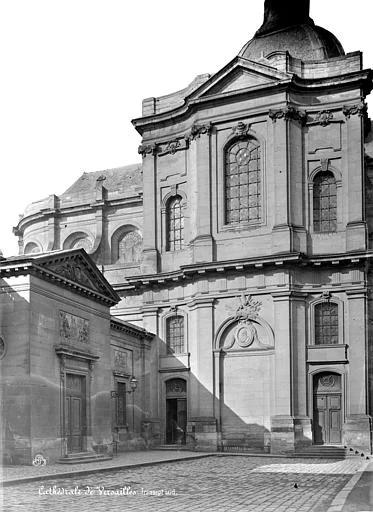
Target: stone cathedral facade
[243, 242]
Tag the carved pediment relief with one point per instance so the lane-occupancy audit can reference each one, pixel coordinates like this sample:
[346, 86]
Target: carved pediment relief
[76, 268]
[75, 271]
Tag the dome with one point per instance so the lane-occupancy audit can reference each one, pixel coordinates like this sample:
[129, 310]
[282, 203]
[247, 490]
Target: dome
[307, 42]
[287, 26]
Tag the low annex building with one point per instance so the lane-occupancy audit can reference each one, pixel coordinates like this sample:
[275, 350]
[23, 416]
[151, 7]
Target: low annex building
[243, 241]
[66, 365]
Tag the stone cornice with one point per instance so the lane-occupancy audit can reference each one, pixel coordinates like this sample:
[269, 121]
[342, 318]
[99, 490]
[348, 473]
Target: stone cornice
[66, 210]
[192, 105]
[190, 271]
[132, 330]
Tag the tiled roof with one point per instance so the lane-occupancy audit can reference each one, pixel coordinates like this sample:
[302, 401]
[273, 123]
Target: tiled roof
[119, 182]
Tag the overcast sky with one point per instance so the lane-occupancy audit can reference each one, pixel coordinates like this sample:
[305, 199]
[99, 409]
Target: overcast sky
[74, 73]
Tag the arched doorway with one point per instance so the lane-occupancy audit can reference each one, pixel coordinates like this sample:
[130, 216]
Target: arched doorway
[176, 411]
[327, 408]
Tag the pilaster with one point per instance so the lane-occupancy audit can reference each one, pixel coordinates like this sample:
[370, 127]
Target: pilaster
[354, 152]
[200, 170]
[150, 252]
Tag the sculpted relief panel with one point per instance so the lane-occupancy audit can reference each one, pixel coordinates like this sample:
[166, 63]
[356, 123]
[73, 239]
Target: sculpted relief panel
[73, 328]
[122, 360]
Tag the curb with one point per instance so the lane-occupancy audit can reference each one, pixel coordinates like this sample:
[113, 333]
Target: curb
[82, 472]
[341, 498]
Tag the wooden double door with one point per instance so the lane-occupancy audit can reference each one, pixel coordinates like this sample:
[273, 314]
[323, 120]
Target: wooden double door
[75, 412]
[327, 409]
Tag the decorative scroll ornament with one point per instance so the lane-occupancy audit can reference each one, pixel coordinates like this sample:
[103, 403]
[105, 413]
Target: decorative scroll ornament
[241, 129]
[288, 113]
[199, 129]
[248, 308]
[324, 118]
[353, 110]
[172, 146]
[147, 149]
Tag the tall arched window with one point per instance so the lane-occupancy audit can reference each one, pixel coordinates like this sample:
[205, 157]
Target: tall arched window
[324, 202]
[326, 324]
[175, 334]
[243, 182]
[175, 224]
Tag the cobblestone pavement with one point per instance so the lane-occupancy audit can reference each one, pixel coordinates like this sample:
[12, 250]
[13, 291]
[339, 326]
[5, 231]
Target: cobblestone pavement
[122, 459]
[218, 484]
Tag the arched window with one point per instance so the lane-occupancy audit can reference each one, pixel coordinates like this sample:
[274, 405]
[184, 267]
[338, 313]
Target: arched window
[326, 324]
[130, 247]
[324, 202]
[175, 334]
[32, 248]
[243, 183]
[78, 240]
[175, 224]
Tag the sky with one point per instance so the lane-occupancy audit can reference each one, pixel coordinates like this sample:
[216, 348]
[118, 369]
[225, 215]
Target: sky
[74, 73]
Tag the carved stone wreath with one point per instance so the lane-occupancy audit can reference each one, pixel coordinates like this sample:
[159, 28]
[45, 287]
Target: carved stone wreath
[328, 381]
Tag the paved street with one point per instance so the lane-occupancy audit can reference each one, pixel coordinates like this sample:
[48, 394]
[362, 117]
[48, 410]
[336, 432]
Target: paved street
[221, 483]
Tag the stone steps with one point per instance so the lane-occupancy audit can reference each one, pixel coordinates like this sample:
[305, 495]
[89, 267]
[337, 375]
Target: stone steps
[330, 452]
[83, 457]
[173, 447]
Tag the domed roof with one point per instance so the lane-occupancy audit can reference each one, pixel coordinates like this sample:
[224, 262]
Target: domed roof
[288, 27]
[307, 42]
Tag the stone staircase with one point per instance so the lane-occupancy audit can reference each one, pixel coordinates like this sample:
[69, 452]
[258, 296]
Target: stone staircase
[335, 452]
[83, 457]
[174, 447]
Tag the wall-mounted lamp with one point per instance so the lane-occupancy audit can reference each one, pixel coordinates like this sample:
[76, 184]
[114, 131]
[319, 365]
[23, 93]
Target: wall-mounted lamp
[133, 386]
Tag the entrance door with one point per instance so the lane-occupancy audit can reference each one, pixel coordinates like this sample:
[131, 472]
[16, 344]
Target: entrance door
[327, 409]
[75, 412]
[176, 421]
[176, 411]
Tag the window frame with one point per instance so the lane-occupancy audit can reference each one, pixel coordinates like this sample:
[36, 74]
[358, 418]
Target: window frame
[312, 321]
[338, 180]
[170, 351]
[245, 223]
[123, 396]
[331, 219]
[168, 245]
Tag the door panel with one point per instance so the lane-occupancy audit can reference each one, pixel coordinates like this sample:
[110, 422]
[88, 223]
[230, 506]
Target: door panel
[327, 419]
[75, 412]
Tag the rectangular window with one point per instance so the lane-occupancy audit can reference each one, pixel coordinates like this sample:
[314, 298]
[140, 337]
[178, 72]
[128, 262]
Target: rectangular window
[121, 419]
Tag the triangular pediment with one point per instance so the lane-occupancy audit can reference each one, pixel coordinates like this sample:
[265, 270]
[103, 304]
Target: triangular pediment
[75, 267]
[238, 75]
